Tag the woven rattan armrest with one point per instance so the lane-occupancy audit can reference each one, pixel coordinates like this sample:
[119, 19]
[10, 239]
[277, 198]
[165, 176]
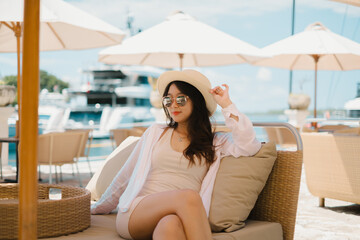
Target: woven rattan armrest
[279, 198]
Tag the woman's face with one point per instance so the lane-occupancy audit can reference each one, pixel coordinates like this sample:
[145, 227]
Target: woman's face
[179, 113]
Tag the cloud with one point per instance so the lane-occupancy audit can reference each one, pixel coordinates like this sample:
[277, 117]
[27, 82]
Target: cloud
[210, 12]
[115, 12]
[264, 75]
[332, 5]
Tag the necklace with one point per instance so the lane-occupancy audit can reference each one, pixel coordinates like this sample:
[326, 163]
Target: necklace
[180, 139]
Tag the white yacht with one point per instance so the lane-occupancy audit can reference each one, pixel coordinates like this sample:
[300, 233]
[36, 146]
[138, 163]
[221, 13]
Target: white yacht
[352, 107]
[113, 97]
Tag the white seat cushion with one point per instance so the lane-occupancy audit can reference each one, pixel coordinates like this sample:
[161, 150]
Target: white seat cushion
[253, 230]
[103, 227]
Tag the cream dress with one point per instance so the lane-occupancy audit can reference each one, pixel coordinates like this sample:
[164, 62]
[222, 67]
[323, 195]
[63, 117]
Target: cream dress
[170, 170]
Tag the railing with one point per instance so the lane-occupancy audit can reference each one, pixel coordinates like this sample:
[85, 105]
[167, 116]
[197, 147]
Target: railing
[288, 126]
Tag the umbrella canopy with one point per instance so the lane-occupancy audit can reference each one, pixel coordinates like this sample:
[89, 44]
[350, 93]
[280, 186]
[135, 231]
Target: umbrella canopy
[62, 26]
[180, 41]
[316, 48]
[351, 2]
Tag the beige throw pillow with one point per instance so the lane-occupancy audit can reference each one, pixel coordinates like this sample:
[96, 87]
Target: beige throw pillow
[238, 183]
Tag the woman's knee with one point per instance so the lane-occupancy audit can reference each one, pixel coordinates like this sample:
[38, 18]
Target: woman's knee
[169, 226]
[190, 198]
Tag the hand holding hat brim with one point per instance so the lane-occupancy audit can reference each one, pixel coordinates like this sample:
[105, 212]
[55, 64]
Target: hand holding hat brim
[221, 96]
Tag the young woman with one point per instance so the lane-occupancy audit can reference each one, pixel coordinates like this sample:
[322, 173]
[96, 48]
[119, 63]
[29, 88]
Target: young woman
[164, 189]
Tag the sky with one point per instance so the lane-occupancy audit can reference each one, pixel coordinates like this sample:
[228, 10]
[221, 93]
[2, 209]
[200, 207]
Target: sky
[260, 23]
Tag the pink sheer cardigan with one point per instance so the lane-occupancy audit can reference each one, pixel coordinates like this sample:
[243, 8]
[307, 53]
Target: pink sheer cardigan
[240, 141]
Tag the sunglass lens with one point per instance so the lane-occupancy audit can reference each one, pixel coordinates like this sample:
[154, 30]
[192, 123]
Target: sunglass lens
[167, 101]
[181, 100]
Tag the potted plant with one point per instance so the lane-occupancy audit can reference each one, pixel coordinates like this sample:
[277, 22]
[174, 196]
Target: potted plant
[299, 101]
[7, 94]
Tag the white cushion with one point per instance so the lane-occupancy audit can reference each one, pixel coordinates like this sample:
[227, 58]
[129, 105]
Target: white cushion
[113, 163]
[103, 227]
[253, 230]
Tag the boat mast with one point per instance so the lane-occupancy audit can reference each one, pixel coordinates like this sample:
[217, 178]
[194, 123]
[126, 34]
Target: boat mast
[292, 33]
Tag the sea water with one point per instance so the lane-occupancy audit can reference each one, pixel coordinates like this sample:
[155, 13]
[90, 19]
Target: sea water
[100, 148]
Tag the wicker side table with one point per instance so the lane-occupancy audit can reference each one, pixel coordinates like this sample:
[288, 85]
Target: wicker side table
[71, 214]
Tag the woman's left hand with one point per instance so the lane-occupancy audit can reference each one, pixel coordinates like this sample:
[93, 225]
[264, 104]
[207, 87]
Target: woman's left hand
[221, 95]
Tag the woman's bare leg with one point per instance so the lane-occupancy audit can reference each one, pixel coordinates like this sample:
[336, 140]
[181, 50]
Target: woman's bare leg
[169, 227]
[186, 204]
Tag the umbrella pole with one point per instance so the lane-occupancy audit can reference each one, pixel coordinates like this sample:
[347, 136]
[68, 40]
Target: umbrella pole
[316, 60]
[17, 30]
[181, 56]
[29, 129]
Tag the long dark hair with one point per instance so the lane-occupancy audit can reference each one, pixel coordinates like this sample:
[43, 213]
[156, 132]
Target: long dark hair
[199, 126]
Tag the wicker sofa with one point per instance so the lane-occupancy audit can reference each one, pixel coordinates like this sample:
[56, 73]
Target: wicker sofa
[332, 165]
[273, 216]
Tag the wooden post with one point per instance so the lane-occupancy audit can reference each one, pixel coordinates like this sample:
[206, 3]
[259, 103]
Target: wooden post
[316, 59]
[17, 31]
[181, 57]
[29, 128]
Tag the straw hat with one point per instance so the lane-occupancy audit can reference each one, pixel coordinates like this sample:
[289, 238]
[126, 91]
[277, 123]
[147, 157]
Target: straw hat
[192, 77]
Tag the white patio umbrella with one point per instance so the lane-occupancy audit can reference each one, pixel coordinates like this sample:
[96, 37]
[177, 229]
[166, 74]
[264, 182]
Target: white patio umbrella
[62, 26]
[316, 48]
[351, 2]
[180, 41]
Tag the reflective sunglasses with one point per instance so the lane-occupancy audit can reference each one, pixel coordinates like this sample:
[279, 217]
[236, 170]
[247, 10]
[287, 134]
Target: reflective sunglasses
[180, 100]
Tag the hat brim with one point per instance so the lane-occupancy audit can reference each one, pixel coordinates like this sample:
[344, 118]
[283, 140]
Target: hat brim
[192, 77]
